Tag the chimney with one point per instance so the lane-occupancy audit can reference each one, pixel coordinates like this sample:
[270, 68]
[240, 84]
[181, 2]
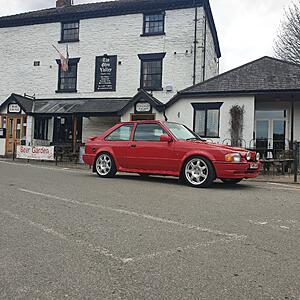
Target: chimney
[63, 3]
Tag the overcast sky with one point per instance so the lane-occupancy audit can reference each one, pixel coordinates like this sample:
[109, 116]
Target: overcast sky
[246, 28]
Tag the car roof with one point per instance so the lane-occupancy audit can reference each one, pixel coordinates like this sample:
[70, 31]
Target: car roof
[142, 121]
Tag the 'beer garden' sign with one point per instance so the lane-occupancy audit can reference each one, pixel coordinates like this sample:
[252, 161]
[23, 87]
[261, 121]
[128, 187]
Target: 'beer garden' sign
[106, 72]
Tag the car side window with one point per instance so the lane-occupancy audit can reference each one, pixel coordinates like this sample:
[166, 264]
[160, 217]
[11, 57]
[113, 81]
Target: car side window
[122, 133]
[148, 132]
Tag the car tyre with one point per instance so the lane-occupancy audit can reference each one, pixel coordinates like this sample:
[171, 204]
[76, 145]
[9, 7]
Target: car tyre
[105, 166]
[198, 172]
[144, 175]
[232, 180]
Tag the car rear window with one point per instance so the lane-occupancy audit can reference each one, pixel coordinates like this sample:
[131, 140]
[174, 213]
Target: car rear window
[122, 133]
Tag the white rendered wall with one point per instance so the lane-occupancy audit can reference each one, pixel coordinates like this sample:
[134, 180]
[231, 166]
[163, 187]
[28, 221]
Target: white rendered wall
[127, 115]
[297, 122]
[2, 146]
[183, 112]
[116, 35]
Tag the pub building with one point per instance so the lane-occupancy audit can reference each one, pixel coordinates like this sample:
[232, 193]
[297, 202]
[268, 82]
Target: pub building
[125, 60]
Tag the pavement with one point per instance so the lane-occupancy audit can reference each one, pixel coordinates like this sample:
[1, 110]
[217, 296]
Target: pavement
[67, 234]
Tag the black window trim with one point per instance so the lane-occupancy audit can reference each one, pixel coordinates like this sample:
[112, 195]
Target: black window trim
[62, 40]
[72, 61]
[163, 13]
[147, 58]
[206, 106]
[139, 124]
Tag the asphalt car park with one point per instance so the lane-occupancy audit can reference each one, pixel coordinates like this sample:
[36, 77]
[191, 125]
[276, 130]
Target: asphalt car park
[67, 234]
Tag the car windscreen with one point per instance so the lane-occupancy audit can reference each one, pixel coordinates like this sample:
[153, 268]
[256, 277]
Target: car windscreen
[181, 132]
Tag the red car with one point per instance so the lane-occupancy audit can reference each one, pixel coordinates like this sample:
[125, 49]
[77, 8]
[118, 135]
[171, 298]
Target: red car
[167, 148]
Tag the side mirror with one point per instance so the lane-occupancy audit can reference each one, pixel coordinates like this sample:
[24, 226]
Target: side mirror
[165, 138]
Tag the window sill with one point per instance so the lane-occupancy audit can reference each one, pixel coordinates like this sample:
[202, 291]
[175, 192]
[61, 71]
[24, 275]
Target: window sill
[68, 41]
[153, 34]
[151, 89]
[66, 91]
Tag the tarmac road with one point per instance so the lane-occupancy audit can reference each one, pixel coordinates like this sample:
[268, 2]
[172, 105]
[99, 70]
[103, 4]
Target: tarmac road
[67, 234]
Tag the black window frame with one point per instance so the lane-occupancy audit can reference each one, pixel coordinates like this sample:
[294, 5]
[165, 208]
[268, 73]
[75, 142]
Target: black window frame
[158, 13]
[148, 58]
[72, 62]
[41, 134]
[143, 124]
[62, 35]
[207, 107]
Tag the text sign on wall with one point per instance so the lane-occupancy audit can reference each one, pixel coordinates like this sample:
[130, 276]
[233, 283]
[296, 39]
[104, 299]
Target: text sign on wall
[13, 108]
[143, 107]
[106, 73]
[36, 153]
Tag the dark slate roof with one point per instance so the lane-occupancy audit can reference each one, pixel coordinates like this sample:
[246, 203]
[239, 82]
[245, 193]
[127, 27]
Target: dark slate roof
[105, 9]
[80, 106]
[266, 74]
[24, 102]
[107, 106]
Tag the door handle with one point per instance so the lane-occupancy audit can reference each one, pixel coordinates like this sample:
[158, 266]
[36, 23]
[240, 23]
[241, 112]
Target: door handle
[133, 146]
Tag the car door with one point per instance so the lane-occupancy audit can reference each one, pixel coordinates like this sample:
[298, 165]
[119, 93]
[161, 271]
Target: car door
[119, 142]
[147, 152]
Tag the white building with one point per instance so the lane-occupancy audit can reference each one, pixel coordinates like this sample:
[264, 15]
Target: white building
[123, 55]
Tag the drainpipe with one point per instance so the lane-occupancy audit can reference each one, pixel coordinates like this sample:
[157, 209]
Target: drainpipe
[195, 42]
[204, 49]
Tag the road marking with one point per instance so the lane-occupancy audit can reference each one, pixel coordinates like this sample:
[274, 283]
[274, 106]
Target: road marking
[139, 215]
[277, 224]
[61, 236]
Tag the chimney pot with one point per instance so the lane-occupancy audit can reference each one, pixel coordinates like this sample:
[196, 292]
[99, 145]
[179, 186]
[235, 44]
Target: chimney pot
[63, 3]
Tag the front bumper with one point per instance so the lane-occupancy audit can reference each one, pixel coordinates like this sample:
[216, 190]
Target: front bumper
[236, 170]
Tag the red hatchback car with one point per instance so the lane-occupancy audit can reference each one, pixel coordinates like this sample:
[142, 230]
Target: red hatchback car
[167, 148]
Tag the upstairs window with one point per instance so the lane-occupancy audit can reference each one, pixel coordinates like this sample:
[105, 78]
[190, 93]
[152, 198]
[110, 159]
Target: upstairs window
[207, 119]
[154, 24]
[70, 31]
[67, 80]
[151, 71]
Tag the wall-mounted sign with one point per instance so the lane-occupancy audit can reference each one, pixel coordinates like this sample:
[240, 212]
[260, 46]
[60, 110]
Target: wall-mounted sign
[143, 107]
[13, 108]
[106, 73]
[36, 153]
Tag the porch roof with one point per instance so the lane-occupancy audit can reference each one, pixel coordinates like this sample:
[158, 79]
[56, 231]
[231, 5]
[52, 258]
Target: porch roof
[85, 106]
[265, 75]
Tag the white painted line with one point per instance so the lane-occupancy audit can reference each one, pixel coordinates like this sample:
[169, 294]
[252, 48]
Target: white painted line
[284, 185]
[61, 236]
[139, 215]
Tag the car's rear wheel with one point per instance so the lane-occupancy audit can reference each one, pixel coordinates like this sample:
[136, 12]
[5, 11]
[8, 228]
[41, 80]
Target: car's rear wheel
[232, 180]
[105, 166]
[198, 172]
[144, 175]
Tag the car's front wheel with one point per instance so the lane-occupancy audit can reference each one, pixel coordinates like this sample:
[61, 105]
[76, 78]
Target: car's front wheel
[232, 180]
[198, 172]
[105, 166]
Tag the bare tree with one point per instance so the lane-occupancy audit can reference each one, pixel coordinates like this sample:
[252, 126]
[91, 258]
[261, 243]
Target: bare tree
[287, 44]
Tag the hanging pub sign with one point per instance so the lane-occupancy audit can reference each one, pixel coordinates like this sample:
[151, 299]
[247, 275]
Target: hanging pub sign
[106, 73]
[143, 107]
[13, 108]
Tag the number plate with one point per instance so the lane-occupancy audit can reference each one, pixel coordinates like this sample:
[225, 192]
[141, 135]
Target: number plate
[253, 166]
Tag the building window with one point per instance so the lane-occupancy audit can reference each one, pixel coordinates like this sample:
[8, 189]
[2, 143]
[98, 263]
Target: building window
[154, 24]
[67, 80]
[207, 118]
[151, 71]
[41, 128]
[70, 31]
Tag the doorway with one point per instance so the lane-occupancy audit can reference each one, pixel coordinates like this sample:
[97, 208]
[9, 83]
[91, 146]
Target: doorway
[271, 129]
[15, 132]
[142, 117]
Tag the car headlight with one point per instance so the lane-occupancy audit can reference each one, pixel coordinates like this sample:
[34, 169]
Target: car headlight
[248, 156]
[257, 156]
[233, 157]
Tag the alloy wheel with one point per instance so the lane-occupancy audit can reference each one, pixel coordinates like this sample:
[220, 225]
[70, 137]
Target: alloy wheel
[103, 164]
[196, 171]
